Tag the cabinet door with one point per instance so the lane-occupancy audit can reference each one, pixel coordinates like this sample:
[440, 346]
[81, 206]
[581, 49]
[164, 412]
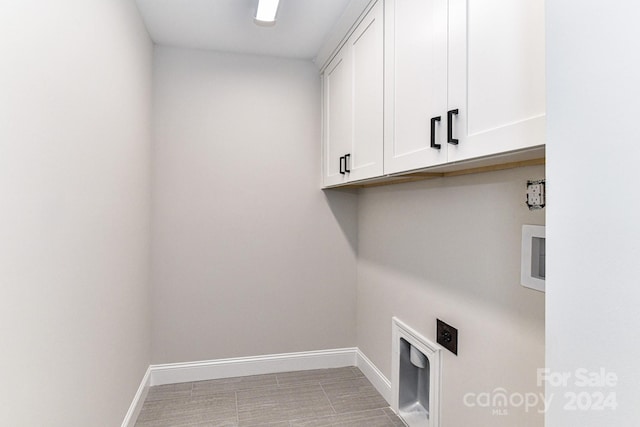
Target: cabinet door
[416, 83]
[496, 76]
[338, 120]
[367, 55]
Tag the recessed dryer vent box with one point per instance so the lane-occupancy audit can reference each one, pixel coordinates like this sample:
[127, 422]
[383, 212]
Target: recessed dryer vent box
[533, 264]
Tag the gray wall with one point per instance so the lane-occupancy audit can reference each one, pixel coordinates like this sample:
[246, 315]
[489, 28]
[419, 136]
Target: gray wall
[250, 257]
[450, 249]
[75, 79]
[594, 234]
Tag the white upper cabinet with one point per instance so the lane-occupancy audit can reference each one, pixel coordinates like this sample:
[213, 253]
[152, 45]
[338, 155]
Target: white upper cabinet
[423, 83]
[464, 79]
[367, 53]
[338, 120]
[416, 84]
[353, 104]
[496, 76]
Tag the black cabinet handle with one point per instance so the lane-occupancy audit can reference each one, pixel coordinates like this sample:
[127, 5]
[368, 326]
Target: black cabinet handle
[433, 132]
[346, 163]
[450, 138]
[342, 161]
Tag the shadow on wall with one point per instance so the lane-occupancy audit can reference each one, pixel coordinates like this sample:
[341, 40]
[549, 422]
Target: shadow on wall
[461, 234]
[342, 203]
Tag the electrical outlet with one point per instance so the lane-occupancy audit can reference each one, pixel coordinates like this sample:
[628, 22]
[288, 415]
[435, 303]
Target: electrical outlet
[536, 194]
[447, 336]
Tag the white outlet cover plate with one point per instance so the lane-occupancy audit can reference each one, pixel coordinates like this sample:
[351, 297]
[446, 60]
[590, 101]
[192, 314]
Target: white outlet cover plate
[535, 194]
[526, 278]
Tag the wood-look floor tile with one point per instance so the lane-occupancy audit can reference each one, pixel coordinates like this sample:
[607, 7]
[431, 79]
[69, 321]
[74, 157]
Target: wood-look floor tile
[203, 388]
[276, 404]
[169, 391]
[316, 376]
[357, 372]
[187, 422]
[395, 419]
[219, 409]
[353, 395]
[324, 397]
[352, 418]
[274, 424]
[381, 421]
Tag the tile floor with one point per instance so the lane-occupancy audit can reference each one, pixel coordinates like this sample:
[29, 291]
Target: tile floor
[325, 397]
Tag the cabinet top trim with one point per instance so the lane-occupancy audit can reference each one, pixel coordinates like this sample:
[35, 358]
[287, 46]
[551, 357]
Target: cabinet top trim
[340, 33]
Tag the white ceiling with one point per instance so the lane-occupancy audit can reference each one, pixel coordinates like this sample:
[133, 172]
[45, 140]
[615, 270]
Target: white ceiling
[227, 25]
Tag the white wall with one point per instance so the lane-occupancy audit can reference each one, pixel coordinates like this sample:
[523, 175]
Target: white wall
[593, 297]
[249, 255]
[75, 79]
[450, 249]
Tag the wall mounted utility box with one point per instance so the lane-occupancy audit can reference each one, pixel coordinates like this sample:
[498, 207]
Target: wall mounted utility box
[533, 265]
[415, 377]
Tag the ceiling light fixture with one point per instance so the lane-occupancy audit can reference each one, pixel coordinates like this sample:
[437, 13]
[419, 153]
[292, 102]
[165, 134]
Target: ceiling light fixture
[266, 14]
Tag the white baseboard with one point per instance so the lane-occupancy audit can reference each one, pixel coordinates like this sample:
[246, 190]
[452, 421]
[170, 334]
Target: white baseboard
[138, 400]
[373, 374]
[242, 366]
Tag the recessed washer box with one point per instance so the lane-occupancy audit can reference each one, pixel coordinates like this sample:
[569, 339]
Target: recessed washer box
[415, 376]
[533, 263]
